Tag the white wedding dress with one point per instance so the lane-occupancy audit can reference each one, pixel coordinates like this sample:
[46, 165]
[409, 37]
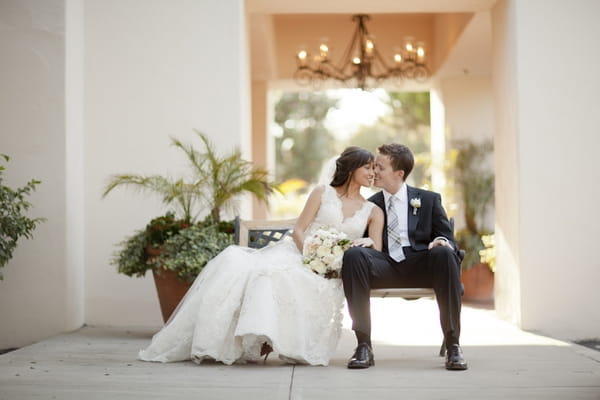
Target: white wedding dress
[246, 297]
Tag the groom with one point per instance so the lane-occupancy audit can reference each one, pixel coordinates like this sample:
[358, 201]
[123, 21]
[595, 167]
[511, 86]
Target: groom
[418, 251]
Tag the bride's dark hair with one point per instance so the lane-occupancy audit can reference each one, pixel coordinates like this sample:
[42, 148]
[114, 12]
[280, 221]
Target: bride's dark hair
[349, 161]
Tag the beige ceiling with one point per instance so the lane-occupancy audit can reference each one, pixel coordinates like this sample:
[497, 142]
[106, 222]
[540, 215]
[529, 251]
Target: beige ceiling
[456, 41]
[362, 6]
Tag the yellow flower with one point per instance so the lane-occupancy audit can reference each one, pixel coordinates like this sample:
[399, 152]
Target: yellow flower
[488, 255]
[292, 185]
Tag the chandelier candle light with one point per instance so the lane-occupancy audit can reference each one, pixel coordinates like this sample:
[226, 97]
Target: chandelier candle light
[362, 65]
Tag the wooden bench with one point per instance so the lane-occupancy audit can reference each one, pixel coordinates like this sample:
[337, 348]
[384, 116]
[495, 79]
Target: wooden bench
[259, 233]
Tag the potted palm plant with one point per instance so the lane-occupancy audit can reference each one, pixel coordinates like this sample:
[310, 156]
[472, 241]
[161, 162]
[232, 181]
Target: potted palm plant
[14, 223]
[176, 246]
[476, 185]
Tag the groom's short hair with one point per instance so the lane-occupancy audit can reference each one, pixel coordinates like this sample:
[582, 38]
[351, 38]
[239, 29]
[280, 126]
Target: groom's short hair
[400, 156]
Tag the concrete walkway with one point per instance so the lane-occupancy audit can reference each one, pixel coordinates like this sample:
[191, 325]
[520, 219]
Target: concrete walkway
[505, 363]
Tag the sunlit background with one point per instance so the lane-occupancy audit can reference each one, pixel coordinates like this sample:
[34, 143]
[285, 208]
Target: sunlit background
[308, 129]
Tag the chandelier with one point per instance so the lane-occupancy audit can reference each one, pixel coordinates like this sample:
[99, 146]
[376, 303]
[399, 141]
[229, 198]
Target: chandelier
[362, 65]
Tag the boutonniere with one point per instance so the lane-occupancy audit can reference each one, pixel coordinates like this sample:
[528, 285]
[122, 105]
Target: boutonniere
[416, 204]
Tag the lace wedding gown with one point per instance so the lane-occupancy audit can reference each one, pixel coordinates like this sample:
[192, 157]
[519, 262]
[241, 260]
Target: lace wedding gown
[246, 297]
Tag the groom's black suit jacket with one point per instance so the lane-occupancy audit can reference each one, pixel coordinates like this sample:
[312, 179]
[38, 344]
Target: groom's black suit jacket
[429, 222]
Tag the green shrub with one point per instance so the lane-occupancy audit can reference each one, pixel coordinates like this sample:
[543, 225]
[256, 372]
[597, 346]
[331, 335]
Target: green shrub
[14, 224]
[188, 252]
[181, 247]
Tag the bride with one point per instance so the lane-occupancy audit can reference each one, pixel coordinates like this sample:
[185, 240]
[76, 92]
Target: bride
[247, 302]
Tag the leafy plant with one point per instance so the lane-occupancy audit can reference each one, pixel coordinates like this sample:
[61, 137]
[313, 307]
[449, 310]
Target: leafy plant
[223, 178]
[14, 224]
[305, 142]
[131, 258]
[216, 182]
[162, 228]
[182, 244]
[488, 254]
[476, 185]
[184, 249]
[188, 252]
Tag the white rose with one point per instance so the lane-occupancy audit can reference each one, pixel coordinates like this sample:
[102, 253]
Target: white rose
[328, 242]
[320, 233]
[329, 259]
[337, 251]
[312, 247]
[323, 251]
[336, 265]
[318, 267]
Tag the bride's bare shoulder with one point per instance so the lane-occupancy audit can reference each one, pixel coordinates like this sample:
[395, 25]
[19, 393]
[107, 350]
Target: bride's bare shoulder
[376, 212]
[318, 190]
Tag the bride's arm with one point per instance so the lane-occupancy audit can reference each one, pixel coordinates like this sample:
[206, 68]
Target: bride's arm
[376, 227]
[307, 216]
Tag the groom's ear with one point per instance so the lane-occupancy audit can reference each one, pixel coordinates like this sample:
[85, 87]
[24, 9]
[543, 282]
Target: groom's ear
[400, 174]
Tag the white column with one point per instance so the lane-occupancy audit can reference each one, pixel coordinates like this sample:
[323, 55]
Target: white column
[74, 168]
[546, 62]
[438, 140]
[507, 207]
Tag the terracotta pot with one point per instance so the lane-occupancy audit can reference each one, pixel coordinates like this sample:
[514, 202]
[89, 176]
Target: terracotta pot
[169, 287]
[479, 284]
[170, 291]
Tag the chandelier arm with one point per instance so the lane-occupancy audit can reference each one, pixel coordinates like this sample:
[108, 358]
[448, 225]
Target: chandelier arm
[387, 71]
[347, 56]
[329, 70]
[362, 33]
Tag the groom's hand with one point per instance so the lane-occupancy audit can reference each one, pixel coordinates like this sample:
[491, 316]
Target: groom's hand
[440, 242]
[362, 242]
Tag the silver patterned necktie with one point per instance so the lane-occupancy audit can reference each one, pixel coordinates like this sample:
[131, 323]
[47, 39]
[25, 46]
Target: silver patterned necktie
[394, 244]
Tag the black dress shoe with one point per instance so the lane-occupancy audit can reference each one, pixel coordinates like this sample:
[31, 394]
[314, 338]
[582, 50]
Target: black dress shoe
[362, 358]
[454, 359]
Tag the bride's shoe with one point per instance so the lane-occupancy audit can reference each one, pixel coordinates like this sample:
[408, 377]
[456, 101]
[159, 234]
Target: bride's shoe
[265, 350]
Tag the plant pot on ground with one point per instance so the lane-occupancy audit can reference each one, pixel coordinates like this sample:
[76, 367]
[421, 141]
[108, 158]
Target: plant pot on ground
[478, 282]
[185, 245]
[476, 185]
[175, 251]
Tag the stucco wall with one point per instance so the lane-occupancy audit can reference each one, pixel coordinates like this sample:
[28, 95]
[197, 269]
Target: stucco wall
[506, 145]
[469, 115]
[153, 69]
[548, 189]
[34, 293]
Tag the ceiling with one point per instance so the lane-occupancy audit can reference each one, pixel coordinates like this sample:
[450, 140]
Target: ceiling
[457, 32]
[362, 6]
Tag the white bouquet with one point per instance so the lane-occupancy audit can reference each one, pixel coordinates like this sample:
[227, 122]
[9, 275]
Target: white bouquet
[323, 251]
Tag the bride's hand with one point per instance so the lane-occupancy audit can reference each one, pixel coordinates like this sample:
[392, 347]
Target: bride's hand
[362, 242]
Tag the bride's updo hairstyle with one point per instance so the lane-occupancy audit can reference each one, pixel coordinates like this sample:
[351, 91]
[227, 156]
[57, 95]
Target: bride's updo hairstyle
[349, 161]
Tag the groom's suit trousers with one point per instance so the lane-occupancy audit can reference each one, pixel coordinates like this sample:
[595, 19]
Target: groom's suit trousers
[439, 268]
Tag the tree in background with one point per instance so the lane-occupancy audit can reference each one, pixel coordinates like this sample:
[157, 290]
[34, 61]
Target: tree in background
[304, 143]
[407, 123]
